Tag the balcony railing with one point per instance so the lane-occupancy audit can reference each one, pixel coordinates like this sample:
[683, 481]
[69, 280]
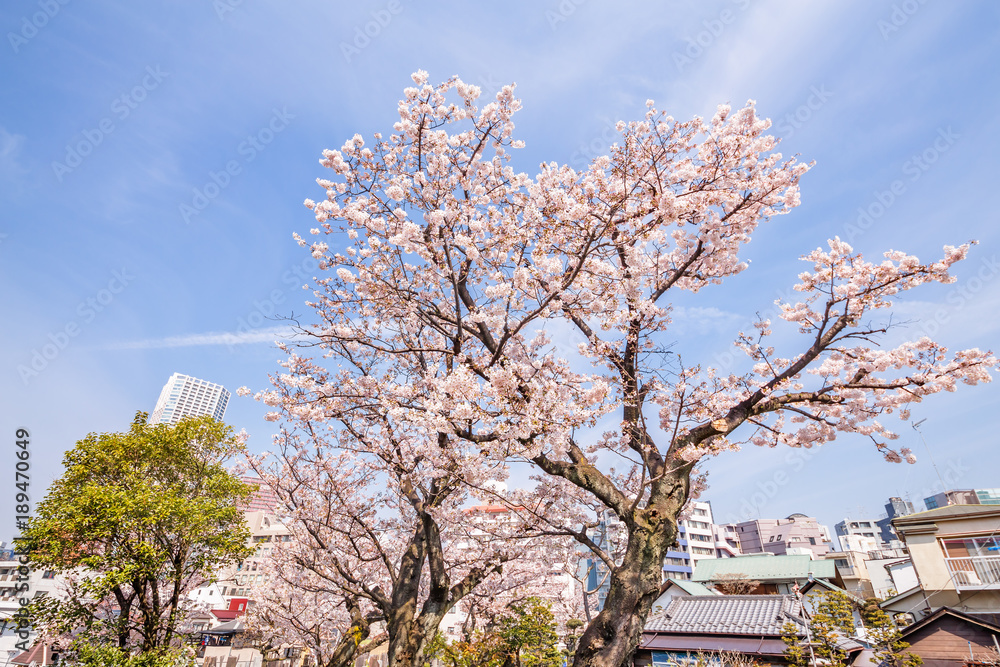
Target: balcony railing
[975, 572]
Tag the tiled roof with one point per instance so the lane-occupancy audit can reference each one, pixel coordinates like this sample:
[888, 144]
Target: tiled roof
[689, 587]
[757, 615]
[765, 568]
[39, 654]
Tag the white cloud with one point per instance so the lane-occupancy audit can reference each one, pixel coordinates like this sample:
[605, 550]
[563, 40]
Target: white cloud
[268, 335]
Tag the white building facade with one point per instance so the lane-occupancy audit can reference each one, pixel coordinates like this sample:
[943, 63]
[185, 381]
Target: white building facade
[186, 396]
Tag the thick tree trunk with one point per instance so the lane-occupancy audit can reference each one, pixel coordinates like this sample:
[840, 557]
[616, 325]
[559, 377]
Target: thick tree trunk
[611, 638]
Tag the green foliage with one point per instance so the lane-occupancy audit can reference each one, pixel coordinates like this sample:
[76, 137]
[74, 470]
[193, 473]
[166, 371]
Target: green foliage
[91, 655]
[832, 619]
[889, 647]
[145, 515]
[572, 636]
[524, 636]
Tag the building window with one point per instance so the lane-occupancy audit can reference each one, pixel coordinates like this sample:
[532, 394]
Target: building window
[971, 546]
[812, 540]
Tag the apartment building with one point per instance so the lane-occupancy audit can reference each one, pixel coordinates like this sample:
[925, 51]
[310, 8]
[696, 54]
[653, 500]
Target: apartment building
[700, 538]
[186, 396]
[795, 534]
[963, 497]
[40, 583]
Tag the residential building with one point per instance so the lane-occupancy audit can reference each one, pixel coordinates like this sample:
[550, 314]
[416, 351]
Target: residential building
[774, 574]
[227, 645]
[229, 596]
[955, 552]
[858, 527]
[748, 626]
[796, 534]
[40, 583]
[699, 537]
[895, 507]
[266, 531]
[963, 497]
[186, 396]
[862, 560]
[675, 588]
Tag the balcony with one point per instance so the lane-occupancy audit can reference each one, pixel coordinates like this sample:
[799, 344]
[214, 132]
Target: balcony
[975, 573]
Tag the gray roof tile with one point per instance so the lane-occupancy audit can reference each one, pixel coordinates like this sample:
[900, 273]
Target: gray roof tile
[756, 615]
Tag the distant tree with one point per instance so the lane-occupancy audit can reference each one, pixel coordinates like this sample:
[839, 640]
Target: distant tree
[830, 623]
[529, 636]
[572, 636]
[736, 583]
[136, 522]
[524, 636]
[881, 631]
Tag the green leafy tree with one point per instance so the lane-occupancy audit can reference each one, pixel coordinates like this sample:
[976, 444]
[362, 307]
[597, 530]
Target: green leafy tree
[529, 636]
[137, 521]
[572, 636]
[832, 621]
[524, 636]
[889, 647]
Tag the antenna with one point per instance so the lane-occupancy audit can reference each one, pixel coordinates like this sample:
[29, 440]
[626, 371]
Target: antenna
[916, 428]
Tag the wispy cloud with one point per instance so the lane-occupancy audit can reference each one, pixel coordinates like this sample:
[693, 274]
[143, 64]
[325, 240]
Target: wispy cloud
[12, 171]
[268, 335]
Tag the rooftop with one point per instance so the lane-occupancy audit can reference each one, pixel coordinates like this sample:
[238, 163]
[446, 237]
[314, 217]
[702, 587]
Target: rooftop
[764, 568]
[756, 615]
[947, 512]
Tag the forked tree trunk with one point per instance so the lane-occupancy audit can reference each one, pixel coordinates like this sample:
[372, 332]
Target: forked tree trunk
[611, 638]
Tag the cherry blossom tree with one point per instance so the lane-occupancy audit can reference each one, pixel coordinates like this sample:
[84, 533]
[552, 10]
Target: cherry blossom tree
[448, 271]
[382, 544]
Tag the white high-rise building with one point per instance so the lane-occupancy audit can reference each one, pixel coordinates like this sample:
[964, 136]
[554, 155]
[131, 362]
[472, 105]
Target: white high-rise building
[185, 396]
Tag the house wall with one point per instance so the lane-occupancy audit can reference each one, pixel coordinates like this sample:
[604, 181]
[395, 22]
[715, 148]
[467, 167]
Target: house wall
[928, 556]
[226, 656]
[891, 576]
[946, 643]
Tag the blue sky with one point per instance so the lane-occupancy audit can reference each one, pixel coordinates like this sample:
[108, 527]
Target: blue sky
[154, 158]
